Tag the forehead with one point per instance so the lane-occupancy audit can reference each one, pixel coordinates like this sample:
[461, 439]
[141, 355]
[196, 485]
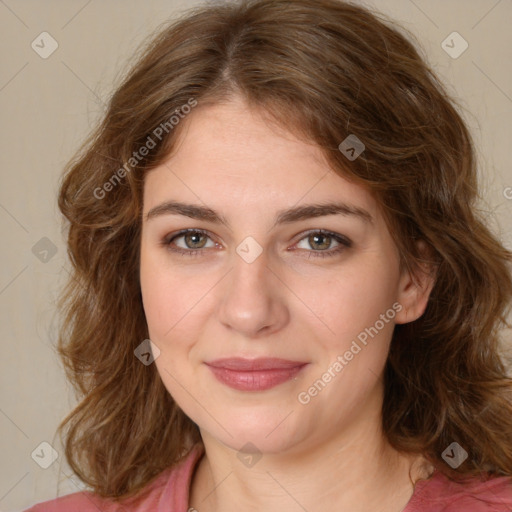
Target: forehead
[229, 154]
[235, 136]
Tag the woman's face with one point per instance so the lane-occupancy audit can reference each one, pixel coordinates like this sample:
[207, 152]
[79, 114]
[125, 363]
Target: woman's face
[255, 279]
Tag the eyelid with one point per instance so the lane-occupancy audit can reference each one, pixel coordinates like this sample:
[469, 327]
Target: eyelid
[166, 241]
[343, 241]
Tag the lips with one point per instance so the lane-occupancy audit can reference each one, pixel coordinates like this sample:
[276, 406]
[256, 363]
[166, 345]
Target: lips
[254, 374]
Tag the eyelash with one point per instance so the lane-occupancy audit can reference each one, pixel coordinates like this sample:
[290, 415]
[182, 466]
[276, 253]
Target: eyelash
[343, 241]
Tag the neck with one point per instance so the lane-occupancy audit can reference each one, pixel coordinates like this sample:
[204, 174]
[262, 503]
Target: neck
[356, 469]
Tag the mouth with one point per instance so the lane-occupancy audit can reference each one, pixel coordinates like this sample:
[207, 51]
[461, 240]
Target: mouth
[254, 374]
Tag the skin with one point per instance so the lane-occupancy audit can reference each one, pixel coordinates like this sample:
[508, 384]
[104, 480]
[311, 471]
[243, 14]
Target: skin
[287, 303]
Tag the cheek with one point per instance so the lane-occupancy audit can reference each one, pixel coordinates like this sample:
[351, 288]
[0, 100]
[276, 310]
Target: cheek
[164, 296]
[353, 300]
[167, 306]
[172, 307]
[358, 309]
[167, 309]
[175, 302]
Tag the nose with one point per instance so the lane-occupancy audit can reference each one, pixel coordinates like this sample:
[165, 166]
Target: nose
[252, 298]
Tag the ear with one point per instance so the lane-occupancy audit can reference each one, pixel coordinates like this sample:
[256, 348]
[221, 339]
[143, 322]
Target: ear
[414, 290]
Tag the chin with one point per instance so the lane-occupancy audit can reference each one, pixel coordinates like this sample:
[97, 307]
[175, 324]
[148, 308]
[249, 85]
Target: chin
[265, 432]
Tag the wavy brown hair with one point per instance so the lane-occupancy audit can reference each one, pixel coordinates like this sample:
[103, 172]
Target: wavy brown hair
[324, 69]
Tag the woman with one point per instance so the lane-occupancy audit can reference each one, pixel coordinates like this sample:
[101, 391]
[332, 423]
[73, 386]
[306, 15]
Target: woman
[283, 297]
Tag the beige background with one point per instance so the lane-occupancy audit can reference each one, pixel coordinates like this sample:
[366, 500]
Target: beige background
[48, 106]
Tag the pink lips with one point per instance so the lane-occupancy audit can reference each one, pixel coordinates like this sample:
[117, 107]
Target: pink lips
[254, 374]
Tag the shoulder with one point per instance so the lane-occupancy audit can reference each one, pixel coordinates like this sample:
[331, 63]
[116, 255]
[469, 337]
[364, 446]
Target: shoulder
[84, 501]
[168, 492]
[440, 494]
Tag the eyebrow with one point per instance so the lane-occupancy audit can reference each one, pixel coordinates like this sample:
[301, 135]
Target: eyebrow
[287, 216]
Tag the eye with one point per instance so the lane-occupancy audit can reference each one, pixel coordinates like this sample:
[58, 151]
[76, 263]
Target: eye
[320, 241]
[193, 242]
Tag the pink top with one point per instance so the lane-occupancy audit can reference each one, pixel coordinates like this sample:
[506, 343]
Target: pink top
[169, 492]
